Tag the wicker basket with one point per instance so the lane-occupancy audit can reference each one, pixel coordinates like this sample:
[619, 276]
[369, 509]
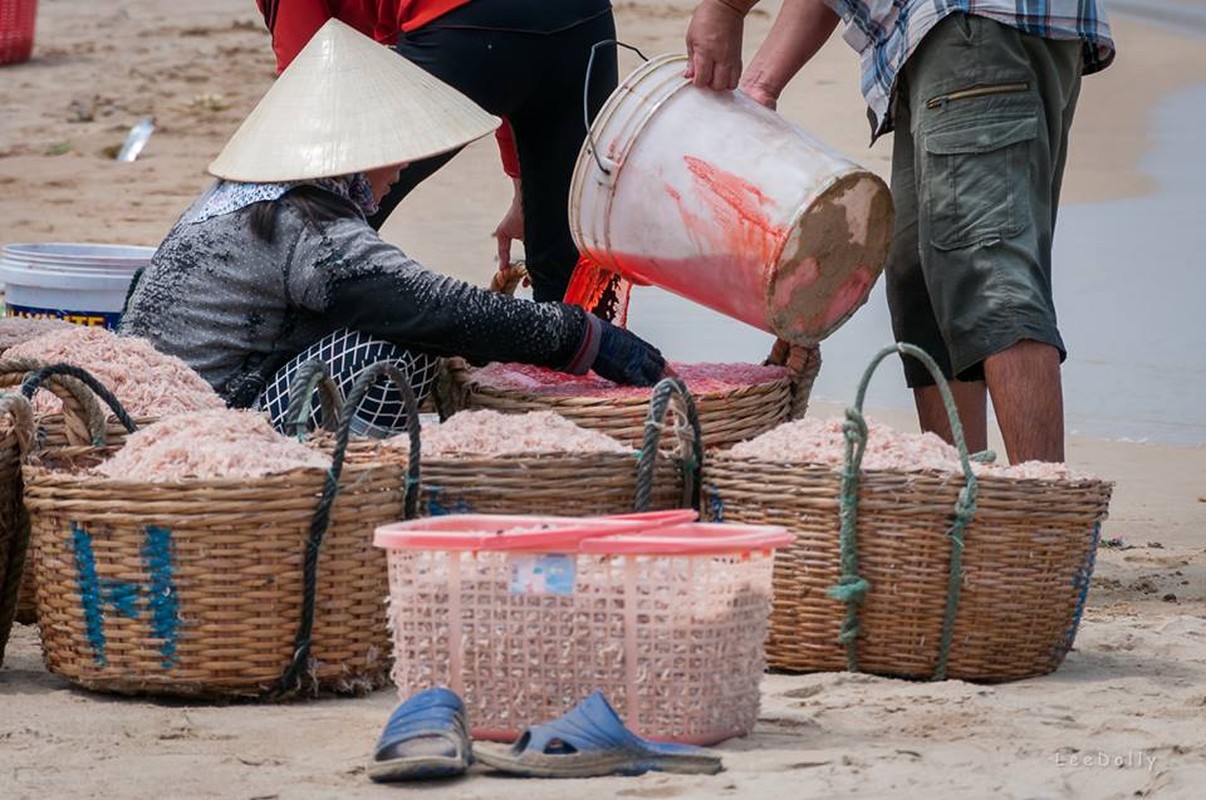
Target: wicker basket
[81, 426]
[577, 485]
[14, 524]
[17, 18]
[725, 418]
[588, 484]
[972, 578]
[217, 588]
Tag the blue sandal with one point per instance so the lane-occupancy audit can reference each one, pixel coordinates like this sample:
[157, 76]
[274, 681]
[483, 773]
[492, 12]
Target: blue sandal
[425, 737]
[590, 741]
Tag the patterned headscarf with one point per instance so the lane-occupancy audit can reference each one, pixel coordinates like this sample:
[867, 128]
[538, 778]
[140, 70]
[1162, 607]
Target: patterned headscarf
[228, 196]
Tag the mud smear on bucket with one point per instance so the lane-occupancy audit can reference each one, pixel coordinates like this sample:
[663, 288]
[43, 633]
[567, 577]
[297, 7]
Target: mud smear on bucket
[836, 255]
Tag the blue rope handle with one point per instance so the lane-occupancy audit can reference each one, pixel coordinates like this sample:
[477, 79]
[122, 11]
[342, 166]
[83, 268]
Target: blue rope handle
[291, 679]
[851, 587]
[360, 389]
[666, 390]
[310, 376]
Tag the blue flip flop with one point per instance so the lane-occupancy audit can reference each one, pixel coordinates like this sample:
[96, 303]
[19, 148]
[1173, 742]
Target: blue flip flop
[426, 737]
[591, 741]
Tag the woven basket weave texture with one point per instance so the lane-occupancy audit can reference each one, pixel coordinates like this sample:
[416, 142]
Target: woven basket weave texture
[1027, 562]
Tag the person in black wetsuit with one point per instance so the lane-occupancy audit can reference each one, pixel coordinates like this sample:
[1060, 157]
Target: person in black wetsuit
[522, 60]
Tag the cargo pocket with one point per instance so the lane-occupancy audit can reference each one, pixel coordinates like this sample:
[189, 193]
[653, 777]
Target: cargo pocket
[976, 181]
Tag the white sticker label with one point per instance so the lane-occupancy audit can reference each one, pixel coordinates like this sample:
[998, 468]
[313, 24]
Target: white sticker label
[542, 574]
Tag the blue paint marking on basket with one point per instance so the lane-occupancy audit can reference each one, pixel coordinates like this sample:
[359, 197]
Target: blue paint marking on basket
[716, 506]
[89, 588]
[1081, 580]
[437, 509]
[97, 595]
[165, 619]
[122, 596]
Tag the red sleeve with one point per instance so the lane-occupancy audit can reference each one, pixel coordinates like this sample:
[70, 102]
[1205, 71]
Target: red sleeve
[292, 23]
[506, 149]
[386, 29]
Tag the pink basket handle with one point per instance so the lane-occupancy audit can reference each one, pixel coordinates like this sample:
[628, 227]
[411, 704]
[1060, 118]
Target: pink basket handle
[498, 532]
[693, 539]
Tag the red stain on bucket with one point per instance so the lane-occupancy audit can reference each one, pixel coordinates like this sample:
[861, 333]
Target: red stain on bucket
[739, 218]
[732, 289]
[736, 192]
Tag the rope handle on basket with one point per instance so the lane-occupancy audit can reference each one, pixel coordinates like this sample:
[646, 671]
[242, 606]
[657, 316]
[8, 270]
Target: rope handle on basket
[312, 375]
[689, 439]
[83, 419]
[291, 679]
[508, 277]
[410, 403]
[21, 410]
[852, 588]
[450, 392]
[803, 363]
[95, 417]
[13, 560]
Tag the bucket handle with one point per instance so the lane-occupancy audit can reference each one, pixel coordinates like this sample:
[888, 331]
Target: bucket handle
[590, 66]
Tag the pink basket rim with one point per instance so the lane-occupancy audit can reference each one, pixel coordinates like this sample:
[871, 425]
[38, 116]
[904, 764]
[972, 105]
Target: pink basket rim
[698, 538]
[489, 532]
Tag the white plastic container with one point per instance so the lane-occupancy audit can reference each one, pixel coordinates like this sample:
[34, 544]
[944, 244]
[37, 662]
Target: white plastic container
[85, 284]
[722, 201]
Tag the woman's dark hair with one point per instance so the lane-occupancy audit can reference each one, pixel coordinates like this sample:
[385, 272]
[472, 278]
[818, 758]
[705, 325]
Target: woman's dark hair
[317, 204]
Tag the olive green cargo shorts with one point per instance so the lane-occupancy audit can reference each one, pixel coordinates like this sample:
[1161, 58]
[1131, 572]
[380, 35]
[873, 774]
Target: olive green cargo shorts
[982, 115]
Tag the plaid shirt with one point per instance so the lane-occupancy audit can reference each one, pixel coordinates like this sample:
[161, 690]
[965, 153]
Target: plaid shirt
[886, 32]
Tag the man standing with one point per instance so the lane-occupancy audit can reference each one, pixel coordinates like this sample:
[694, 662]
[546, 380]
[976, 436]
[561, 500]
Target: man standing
[981, 94]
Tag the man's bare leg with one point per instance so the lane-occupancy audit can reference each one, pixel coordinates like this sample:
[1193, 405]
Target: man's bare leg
[1024, 381]
[970, 401]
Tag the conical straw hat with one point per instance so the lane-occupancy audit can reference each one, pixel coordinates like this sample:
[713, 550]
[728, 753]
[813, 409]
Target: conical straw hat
[347, 104]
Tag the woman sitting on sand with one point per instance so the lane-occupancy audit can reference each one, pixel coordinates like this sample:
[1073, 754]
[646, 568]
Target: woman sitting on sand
[276, 264]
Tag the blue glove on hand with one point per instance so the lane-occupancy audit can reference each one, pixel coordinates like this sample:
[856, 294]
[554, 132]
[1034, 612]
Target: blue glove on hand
[627, 358]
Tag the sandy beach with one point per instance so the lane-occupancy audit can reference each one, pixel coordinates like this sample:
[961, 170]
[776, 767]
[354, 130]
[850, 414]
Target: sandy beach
[1122, 718]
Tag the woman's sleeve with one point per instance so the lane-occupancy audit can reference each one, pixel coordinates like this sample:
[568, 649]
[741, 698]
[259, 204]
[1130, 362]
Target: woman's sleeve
[345, 271]
[292, 23]
[506, 149]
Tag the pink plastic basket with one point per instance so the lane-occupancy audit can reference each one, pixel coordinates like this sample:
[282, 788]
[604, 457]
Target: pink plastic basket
[668, 620]
[17, 19]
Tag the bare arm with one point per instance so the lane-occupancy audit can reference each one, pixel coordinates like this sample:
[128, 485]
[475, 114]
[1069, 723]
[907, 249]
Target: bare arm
[799, 30]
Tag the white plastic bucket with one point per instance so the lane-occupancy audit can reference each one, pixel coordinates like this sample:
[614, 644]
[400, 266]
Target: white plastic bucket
[81, 283]
[718, 199]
